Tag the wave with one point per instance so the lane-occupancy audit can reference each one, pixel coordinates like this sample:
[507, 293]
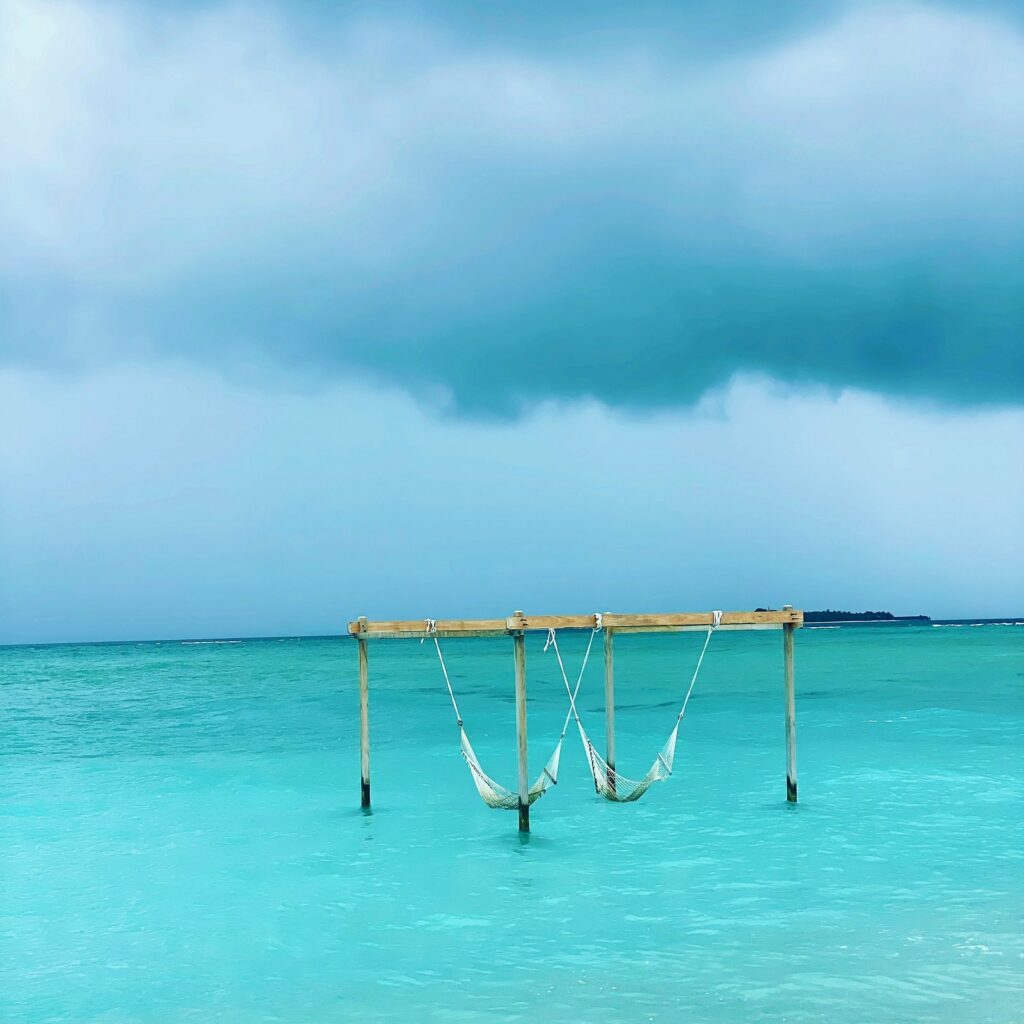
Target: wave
[975, 625]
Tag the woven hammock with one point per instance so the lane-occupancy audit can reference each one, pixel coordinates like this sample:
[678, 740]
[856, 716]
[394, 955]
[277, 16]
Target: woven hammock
[607, 781]
[492, 792]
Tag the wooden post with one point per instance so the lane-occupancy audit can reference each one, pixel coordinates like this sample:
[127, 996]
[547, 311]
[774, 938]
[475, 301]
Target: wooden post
[787, 647]
[519, 645]
[364, 721]
[609, 706]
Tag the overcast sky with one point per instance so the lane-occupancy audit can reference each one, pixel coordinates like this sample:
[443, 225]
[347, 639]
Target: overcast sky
[310, 311]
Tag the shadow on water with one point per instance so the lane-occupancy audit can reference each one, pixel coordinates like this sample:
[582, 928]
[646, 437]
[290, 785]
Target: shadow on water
[520, 843]
[362, 813]
[801, 807]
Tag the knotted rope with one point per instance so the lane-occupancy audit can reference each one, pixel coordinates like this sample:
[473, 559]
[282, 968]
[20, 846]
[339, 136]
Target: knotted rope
[432, 629]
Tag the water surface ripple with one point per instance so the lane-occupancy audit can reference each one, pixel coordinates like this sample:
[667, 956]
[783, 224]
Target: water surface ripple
[181, 842]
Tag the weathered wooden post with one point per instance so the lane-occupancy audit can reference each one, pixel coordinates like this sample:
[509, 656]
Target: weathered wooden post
[519, 649]
[787, 647]
[609, 705]
[364, 717]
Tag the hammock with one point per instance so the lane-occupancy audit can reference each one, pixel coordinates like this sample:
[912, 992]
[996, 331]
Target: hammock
[607, 781]
[493, 793]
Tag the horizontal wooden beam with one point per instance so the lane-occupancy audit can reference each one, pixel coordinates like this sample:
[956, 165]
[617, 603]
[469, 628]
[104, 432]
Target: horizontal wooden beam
[413, 628]
[671, 622]
[421, 634]
[724, 627]
[664, 621]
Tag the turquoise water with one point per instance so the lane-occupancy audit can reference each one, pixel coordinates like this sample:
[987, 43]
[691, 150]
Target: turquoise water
[181, 839]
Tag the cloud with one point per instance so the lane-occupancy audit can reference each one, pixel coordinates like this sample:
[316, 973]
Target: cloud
[498, 222]
[156, 502]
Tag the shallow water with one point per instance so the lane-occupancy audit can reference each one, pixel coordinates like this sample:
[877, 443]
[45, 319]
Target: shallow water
[181, 841]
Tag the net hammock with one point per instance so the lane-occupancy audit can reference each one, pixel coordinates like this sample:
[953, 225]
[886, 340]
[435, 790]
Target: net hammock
[492, 792]
[607, 781]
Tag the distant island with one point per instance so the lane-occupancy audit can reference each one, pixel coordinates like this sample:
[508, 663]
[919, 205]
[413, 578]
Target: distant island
[828, 615]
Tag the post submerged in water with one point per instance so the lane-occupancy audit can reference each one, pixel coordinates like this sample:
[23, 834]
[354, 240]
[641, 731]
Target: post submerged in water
[519, 650]
[364, 719]
[787, 647]
[609, 706]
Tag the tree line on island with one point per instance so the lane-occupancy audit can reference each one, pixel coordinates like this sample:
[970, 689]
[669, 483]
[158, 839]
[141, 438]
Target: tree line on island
[832, 615]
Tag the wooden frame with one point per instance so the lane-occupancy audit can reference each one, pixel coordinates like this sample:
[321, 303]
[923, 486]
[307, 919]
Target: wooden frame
[518, 622]
[517, 625]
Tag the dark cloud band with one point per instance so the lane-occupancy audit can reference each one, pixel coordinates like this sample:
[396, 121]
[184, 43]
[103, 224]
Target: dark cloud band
[505, 224]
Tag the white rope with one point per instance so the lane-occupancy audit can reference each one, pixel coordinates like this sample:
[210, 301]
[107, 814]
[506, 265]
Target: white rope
[432, 628]
[716, 622]
[552, 641]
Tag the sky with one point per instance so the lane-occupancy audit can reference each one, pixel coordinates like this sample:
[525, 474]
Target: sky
[316, 310]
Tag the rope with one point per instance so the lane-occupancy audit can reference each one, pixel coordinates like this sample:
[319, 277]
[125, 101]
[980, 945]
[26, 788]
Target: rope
[552, 641]
[717, 619]
[432, 628]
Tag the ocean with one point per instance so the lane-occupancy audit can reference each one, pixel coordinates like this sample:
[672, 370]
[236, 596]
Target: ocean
[181, 838]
